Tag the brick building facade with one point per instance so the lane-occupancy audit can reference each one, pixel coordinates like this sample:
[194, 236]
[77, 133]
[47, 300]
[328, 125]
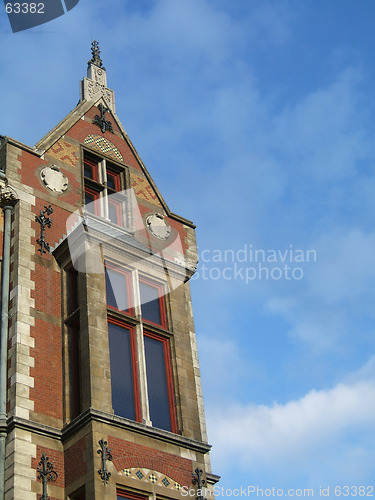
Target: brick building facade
[99, 363]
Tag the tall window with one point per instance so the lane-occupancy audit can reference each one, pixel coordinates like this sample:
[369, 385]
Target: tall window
[103, 183]
[123, 327]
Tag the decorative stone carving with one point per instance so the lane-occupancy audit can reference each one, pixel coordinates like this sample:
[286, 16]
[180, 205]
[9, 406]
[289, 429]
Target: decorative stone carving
[92, 91]
[158, 226]
[53, 179]
[98, 75]
[8, 195]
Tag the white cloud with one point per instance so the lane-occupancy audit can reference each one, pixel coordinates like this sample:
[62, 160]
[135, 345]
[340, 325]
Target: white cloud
[322, 429]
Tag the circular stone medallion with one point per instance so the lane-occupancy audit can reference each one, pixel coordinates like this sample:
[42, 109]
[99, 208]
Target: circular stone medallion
[53, 179]
[158, 227]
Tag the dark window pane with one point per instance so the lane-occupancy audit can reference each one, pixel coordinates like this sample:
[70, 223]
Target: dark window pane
[150, 303]
[89, 197]
[121, 371]
[117, 290]
[112, 181]
[89, 171]
[158, 396]
[90, 202]
[90, 168]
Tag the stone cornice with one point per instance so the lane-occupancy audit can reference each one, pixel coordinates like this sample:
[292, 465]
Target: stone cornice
[92, 415]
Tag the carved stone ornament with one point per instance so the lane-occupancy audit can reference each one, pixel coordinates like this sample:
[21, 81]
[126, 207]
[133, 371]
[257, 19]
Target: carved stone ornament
[158, 226]
[53, 179]
[94, 88]
[8, 196]
[99, 76]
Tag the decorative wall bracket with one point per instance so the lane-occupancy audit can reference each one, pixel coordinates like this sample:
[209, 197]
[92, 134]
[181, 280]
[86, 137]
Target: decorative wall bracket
[101, 122]
[197, 479]
[46, 474]
[106, 455]
[44, 221]
[8, 196]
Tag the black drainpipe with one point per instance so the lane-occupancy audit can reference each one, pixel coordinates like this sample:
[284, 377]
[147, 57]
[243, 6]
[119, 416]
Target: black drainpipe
[7, 200]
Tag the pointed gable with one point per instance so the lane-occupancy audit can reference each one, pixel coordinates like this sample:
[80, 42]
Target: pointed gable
[93, 128]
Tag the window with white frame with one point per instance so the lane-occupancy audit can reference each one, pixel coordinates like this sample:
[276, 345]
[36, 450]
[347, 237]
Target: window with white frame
[104, 184]
[139, 347]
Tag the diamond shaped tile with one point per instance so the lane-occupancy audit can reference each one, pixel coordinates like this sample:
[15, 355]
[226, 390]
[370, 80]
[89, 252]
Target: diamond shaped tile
[165, 482]
[139, 474]
[152, 477]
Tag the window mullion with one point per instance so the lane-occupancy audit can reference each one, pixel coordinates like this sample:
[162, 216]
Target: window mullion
[142, 375]
[101, 173]
[103, 180]
[136, 295]
[141, 351]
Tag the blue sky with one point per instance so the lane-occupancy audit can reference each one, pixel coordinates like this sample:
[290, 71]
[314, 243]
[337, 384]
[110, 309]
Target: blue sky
[256, 121]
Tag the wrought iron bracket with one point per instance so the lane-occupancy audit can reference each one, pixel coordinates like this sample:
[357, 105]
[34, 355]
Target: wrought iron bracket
[106, 455]
[101, 122]
[197, 479]
[44, 221]
[46, 474]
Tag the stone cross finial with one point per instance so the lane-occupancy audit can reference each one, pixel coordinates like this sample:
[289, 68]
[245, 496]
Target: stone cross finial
[96, 59]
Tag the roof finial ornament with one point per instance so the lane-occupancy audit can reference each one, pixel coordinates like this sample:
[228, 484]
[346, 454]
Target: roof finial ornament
[95, 85]
[96, 59]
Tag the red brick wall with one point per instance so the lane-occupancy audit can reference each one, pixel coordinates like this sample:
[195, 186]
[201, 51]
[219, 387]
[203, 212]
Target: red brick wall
[126, 455]
[47, 372]
[75, 464]
[47, 393]
[29, 164]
